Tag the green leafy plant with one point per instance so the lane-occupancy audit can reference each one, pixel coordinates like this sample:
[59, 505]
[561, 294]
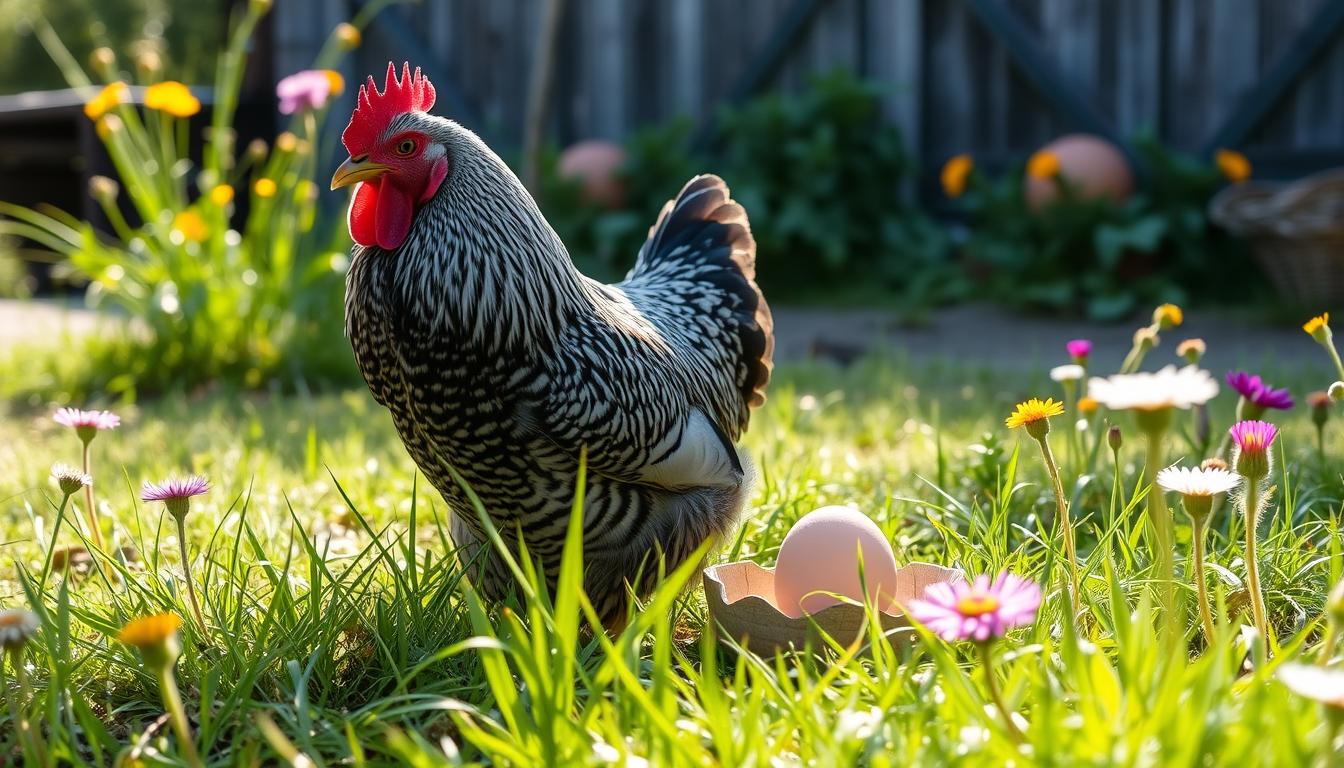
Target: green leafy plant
[206, 293]
[1093, 254]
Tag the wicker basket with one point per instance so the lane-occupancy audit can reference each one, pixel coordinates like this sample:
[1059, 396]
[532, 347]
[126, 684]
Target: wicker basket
[1295, 230]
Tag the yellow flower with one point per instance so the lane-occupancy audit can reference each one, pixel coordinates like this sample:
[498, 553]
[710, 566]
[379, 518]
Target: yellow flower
[172, 97]
[1043, 165]
[1087, 406]
[149, 631]
[286, 142]
[955, 173]
[106, 100]
[264, 188]
[1318, 327]
[191, 225]
[1234, 165]
[1034, 410]
[1168, 316]
[221, 195]
[335, 80]
[348, 35]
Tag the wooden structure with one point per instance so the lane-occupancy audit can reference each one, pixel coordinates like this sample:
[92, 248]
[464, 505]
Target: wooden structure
[993, 77]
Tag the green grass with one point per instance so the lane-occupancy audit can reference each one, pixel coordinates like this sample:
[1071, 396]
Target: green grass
[337, 615]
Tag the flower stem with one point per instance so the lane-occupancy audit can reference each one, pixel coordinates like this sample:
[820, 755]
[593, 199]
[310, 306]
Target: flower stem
[1251, 499]
[1201, 584]
[1159, 517]
[992, 683]
[172, 701]
[55, 537]
[1334, 356]
[186, 573]
[1065, 525]
[90, 510]
[1328, 644]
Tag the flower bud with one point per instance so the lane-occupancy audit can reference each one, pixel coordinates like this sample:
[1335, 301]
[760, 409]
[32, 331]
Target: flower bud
[156, 638]
[1146, 338]
[286, 142]
[1319, 402]
[1337, 391]
[69, 479]
[103, 189]
[348, 35]
[103, 61]
[1114, 438]
[1251, 464]
[148, 62]
[256, 150]
[1192, 350]
[1168, 316]
[1213, 463]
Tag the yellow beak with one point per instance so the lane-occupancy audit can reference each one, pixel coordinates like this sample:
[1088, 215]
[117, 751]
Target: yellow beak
[351, 172]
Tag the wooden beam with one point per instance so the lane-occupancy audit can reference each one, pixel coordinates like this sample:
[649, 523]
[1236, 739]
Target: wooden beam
[787, 34]
[400, 36]
[1315, 39]
[1057, 89]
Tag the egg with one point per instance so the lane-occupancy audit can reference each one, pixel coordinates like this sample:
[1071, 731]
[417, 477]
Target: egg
[1093, 165]
[820, 556]
[596, 165]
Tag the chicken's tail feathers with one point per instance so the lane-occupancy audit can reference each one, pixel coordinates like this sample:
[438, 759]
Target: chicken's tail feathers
[704, 235]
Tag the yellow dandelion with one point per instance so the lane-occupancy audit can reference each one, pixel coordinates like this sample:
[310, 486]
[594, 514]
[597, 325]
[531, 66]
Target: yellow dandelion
[955, 173]
[172, 97]
[1087, 406]
[221, 195]
[1043, 165]
[264, 188]
[335, 80]
[348, 35]
[1168, 316]
[1033, 411]
[1234, 165]
[106, 100]
[150, 631]
[191, 225]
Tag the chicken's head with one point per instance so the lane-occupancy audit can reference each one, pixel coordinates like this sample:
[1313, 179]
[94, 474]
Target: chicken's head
[394, 158]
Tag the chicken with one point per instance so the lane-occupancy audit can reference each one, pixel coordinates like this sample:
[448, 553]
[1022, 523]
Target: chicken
[498, 359]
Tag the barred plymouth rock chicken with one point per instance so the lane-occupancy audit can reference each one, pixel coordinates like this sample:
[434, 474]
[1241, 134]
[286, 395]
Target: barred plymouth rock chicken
[498, 358]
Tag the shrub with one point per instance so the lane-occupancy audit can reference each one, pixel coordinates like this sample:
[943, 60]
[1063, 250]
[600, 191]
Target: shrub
[206, 293]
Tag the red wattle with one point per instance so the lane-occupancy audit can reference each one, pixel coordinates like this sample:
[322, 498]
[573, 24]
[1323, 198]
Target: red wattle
[363, 213]
[393, 216]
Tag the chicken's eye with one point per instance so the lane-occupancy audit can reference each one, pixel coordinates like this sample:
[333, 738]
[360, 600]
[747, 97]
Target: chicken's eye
[405, 146]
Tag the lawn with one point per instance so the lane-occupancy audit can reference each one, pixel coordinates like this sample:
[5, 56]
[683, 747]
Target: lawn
[339, 628]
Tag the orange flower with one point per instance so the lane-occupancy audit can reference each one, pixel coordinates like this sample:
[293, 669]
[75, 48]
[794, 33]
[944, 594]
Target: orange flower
[337, 82]
[1087, 406]
[1043, 165]
[106, 100]
[150, 630]
[955, 173]
[173, 98]
[191, 225]
[1318, 326]
[1234, 165]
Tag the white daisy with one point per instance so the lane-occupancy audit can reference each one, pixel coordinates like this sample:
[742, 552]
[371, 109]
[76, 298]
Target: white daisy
[17, 626]
[1323, 684]
[1168, 388]
[1070, 372]
[1195, 481]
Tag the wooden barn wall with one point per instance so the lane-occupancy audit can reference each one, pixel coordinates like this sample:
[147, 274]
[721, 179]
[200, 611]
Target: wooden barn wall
[1177, 66]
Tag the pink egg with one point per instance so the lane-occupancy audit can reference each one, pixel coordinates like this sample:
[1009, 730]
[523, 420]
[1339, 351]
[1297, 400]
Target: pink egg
[820, 555]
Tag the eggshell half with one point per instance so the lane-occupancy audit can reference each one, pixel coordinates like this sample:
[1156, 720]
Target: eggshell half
[820, 556]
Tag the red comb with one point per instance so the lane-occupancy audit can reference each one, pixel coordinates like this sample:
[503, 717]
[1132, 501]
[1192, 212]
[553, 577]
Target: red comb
[374, 110]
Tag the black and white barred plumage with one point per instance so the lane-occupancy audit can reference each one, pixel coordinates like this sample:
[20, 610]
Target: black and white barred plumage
[498, 358]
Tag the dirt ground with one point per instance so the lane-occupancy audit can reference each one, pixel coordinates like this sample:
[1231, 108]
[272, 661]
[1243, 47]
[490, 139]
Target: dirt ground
[975, 334]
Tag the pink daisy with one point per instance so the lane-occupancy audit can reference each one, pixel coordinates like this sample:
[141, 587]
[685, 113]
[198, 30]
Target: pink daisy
[979, 611]
[176, 493]
[86, 424]
[1253, 436]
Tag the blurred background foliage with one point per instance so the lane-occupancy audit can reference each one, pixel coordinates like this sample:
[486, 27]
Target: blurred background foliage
[190, 34]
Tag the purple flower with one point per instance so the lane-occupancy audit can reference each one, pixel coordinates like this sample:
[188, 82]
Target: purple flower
[979, 611]
[1253, 437]
[176, 493]
[1257, 392]
[86, 424]
[307, 90]
[1079, 349]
